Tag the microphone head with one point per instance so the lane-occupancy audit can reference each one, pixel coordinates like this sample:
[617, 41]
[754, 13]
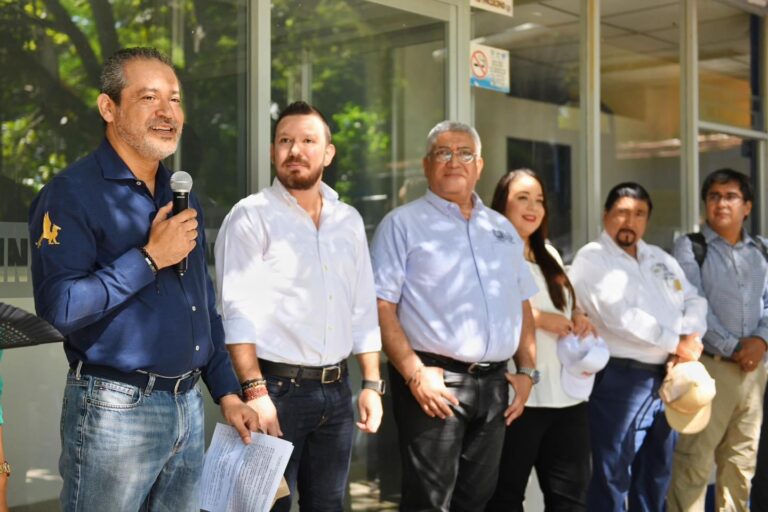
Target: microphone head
[181, 182]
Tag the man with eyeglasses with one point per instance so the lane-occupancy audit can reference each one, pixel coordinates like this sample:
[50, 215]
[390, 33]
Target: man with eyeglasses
[452, 289]
[728, 267]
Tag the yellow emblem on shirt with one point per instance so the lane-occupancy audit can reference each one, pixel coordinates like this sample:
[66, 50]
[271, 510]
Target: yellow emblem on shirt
[678, 285]
[50, 232]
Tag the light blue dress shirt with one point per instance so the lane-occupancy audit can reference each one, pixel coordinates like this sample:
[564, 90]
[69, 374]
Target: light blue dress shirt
[734, 279]
[459, 283]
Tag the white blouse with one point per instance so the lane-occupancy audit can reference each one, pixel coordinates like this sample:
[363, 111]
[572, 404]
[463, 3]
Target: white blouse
[548, 392]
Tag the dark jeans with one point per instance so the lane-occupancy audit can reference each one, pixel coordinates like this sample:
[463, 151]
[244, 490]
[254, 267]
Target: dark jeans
[758, 498]
[632, 442]
[451, 464]
[556, 442]
[318, 419]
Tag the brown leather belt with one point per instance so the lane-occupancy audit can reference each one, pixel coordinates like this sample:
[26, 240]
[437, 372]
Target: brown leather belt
[325, 374]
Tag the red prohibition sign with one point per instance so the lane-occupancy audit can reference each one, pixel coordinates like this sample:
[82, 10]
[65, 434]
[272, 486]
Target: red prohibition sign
[479, 64]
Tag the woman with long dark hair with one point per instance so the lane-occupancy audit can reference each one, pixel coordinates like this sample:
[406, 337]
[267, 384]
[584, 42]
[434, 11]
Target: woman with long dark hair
[552, 434]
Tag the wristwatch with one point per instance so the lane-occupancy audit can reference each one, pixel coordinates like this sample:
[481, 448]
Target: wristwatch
[533, 373]
[5, 468]
[378, 386]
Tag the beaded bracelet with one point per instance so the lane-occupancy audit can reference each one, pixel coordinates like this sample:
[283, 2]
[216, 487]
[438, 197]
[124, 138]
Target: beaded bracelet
[254, 392]
[252, 383]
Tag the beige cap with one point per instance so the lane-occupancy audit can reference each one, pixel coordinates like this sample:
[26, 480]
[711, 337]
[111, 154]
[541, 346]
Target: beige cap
[688, 391]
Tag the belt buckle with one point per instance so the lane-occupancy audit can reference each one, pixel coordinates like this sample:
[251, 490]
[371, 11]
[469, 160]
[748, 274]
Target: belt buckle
[477, 367]
[324, 379]
[189, 375]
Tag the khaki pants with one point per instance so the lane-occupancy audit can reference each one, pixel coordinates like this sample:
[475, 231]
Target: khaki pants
[730, 440]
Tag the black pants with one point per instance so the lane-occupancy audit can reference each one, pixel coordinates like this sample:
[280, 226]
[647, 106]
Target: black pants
[451, 464]
[758, 497]
[556, 443]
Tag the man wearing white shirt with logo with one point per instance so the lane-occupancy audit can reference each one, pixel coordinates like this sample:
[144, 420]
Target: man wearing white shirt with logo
[297, 297]
[649, 314]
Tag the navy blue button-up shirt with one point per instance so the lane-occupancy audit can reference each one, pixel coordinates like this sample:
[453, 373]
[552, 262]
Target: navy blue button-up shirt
[92, 282]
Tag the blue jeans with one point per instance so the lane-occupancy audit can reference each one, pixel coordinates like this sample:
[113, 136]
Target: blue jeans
[632, 442]
[124, 450]
[319, 420]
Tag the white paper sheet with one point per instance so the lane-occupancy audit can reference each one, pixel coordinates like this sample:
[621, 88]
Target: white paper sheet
[239, 477]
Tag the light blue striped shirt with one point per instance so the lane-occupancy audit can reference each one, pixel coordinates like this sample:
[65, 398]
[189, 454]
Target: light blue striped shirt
[734, 279]
[459, 283]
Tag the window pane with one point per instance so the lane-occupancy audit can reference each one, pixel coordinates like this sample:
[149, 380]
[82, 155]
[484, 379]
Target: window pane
[536, 125]
[728, 72]
[378, 75]
[640, 87]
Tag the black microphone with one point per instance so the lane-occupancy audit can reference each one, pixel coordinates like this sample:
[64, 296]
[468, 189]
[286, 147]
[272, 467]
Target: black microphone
[181, 184]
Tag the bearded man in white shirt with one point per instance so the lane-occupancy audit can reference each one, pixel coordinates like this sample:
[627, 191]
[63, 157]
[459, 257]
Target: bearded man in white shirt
[639, 300]
[297, 297]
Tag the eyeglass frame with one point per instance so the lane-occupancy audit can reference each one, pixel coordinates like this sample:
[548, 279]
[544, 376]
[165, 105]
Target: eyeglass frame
[460, 154]
[729, 198]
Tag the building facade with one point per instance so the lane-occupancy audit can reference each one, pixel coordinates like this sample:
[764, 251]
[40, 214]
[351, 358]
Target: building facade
[599, 91]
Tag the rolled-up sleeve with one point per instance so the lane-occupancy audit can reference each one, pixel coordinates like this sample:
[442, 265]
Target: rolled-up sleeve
[390, 256]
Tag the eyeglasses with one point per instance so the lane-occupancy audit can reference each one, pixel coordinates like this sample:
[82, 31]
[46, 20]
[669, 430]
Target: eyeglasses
[446, 155]
[729, 198]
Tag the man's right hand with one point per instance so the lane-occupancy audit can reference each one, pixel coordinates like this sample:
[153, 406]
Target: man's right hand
[428, 388]
[268, 422]
[172, 239]
[689, 348]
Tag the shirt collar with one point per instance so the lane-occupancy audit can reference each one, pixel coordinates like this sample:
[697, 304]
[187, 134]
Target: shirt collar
[113, 167]
[329, 195]
[710, 235]
[451, 208]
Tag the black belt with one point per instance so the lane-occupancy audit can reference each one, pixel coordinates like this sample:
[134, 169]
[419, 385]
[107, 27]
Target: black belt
[140, 378]
[637, 365]
[325, 374]
[452, 365]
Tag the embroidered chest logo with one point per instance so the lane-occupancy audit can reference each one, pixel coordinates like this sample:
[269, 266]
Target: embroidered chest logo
[661, 271]
[50, 232]
[502, 236]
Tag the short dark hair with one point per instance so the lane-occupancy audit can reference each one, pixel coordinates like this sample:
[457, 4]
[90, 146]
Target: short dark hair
[302, 108]
[112, 80]
[726, 175]
[628, 189]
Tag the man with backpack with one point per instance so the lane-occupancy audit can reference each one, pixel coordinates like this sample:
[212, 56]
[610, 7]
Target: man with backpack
[730, 268]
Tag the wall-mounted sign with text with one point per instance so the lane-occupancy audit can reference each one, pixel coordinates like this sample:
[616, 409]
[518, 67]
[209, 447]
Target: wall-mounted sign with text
[489, 67]
[497, 6]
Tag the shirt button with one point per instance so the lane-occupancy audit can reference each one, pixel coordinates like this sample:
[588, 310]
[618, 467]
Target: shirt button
[138, 183]
[330, 328]
[330, 297]
[194, 308]
[197, 348]
[325, 268]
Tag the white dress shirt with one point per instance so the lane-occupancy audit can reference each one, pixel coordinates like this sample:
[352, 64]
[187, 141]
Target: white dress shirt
[459, 284]
[639, 306]
[301, 294]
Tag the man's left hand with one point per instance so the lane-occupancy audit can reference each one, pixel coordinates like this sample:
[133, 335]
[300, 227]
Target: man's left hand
[522, 385]
[239, 415]
[369, 405]
[750, 354]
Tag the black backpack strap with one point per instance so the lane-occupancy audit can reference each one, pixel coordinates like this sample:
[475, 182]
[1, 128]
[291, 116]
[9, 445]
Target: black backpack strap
[699, 247]
[761, 246]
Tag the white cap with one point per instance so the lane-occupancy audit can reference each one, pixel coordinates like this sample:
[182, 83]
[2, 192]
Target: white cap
[581, 359]
[688, 391]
